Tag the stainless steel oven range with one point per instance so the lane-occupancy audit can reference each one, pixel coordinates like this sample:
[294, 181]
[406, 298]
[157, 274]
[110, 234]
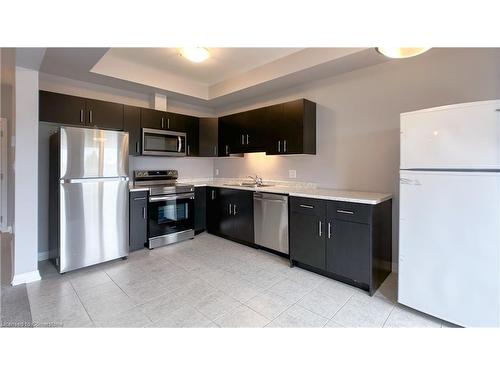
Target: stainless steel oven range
[170, 207]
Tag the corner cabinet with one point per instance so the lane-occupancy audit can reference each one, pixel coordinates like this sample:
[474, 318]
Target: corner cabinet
[230, 214]
[351, 242]
[209, 135]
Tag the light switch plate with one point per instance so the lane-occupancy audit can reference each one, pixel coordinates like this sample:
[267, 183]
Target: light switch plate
[216, 172]
[292, 173]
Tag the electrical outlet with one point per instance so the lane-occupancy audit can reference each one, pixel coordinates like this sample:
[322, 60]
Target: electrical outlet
[292, 173]
[216, 171]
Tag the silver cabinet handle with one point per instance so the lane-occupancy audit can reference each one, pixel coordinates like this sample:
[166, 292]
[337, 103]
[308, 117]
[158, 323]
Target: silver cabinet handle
[168, 123]
[306, 206]
[215, 150]
[329, 230]
[140, 199]
[284, 145]
[81, 115]
[320, 228]
[180, 144]
[137, 147]
[234, 210]
[162, 122]
[279, 146]
[247, 138]
[242, 139]
[345, 212]
[227, 150]
[188, 150]
[230, 209]
[144, 212]
[90, 116]
[213, 194]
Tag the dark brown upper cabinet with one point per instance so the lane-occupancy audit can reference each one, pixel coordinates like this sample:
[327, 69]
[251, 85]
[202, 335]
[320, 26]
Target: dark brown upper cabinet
[192, 129]
[72, 110]
[62, 109]
[209, 135]
[291, 128]
[132, 125]
[244, 131]
[151, 118]
[104, 115]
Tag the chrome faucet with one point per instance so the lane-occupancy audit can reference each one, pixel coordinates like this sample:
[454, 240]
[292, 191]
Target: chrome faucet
[257, 180]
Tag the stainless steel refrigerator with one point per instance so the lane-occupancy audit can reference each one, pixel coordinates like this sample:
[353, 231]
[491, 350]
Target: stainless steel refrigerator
[88, 197]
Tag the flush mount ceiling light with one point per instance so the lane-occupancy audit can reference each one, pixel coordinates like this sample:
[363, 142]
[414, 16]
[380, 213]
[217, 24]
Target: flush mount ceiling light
[195, 54]
[401, 53]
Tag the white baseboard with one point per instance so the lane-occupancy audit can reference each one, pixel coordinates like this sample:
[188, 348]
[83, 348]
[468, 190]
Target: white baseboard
[43, 255]
[25, 278]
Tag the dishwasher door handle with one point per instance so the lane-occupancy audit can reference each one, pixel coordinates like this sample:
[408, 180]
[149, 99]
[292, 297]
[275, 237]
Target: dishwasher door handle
[269, 200]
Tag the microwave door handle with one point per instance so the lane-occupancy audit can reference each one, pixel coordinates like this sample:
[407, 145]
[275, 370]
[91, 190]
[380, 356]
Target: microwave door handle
[179, 138]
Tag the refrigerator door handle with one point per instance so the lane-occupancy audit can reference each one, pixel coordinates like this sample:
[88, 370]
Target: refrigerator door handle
[94, 179]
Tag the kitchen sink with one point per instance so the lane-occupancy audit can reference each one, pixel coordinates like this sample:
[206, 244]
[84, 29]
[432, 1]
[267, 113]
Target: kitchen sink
[248, 184]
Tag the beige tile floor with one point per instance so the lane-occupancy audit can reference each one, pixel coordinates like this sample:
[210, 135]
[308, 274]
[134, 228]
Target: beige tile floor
[210, 282]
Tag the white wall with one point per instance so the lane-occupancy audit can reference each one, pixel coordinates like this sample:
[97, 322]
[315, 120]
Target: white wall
[358, 118]
[26, 169]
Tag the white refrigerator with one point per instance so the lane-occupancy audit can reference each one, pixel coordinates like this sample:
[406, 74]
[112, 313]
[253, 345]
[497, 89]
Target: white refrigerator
[449, 232]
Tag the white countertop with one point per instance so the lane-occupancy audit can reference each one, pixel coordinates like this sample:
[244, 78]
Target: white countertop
[298, 190]
[304, 190]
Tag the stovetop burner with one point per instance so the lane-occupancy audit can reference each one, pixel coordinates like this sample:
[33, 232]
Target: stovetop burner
[161, 182]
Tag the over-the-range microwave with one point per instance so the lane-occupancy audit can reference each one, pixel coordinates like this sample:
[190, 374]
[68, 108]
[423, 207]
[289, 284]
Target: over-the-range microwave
[163, 142]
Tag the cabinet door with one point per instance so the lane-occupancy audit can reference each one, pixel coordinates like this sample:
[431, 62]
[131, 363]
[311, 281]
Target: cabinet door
[226, 206]
[291, 127]
[132, 125]
[62, 109]
[274, 136]
[208, 139]
[243, 216]
[138, 219]
[213, 210]
[200, 208]
[307, 231]
[255, 130]
[348, 250]
[228, 136]
[179, 122]
[104, 115]
[192, 136]
[151, 118]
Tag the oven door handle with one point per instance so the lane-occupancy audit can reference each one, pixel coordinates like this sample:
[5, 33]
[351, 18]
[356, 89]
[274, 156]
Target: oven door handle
[171, 197]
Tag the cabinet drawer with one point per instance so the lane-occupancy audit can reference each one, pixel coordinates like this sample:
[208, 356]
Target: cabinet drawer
[308, 206]
[354, 212]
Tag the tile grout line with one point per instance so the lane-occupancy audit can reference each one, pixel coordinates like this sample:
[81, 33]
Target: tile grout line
[388, 316]
[345, 303]
[81, 302]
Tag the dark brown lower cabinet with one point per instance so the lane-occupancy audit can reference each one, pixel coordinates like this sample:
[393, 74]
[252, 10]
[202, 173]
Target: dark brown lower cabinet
[200, 209]
[351, 242]
[230, 214]
[138, 224]
[348, 250]
[307, 243]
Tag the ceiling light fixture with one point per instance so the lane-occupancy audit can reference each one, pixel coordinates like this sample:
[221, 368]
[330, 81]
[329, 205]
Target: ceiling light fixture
[401, 53]
[195, 54]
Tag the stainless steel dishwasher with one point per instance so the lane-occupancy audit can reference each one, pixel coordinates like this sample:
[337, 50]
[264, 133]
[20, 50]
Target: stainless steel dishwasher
[271, 221]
